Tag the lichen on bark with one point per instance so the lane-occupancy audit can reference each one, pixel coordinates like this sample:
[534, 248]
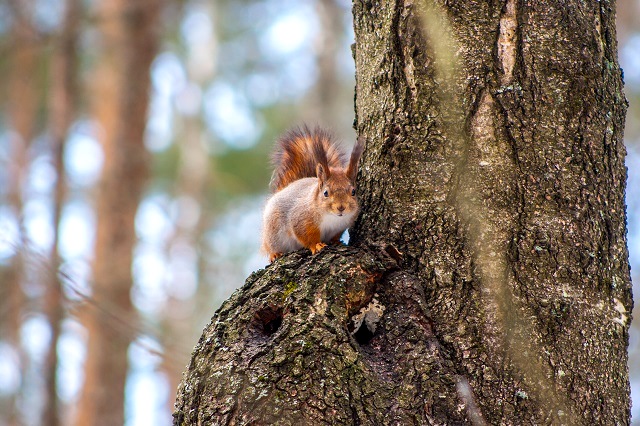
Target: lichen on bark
[284, 350]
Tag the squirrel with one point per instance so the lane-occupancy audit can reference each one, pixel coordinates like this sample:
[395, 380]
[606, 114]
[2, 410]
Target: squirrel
[314, 194]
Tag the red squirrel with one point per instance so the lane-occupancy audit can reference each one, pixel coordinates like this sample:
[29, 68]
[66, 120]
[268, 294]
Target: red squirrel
[314, 194]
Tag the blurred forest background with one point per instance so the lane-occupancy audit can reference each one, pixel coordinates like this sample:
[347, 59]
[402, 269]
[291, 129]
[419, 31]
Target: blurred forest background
[134, 141]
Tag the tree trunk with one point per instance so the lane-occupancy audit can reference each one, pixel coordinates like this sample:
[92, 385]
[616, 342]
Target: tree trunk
[25, 57]
[129, 31]
[328, 102]
[490, 259]
[63, 98]
[502, 182]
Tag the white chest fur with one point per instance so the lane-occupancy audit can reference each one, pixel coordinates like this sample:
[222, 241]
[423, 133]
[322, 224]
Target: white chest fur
[332, 224]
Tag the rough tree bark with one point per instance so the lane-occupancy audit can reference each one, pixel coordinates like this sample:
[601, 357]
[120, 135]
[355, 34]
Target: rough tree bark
[490, 259]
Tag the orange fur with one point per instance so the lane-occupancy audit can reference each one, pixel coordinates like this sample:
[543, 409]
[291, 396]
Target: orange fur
[308, 234]
[298, 153]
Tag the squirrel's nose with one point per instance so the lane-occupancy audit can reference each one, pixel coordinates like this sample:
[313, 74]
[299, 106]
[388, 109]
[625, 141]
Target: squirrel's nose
[341, 208]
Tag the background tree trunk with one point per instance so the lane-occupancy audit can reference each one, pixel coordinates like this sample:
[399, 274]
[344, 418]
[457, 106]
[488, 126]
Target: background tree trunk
[63, 98]
[491, 266]
[129, 31]
[25, 57]
[328, 101]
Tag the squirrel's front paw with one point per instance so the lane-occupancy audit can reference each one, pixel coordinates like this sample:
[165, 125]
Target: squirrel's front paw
[316, 248]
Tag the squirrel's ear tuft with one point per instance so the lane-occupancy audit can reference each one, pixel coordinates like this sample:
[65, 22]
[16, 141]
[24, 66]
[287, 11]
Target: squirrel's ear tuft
[321, 173]
[352, 168]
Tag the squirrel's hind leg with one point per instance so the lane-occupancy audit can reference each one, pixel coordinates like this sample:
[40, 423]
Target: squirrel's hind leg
[308, 235]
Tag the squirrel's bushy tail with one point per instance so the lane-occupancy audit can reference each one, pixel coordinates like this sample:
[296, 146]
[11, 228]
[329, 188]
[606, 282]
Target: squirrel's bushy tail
[299, 151]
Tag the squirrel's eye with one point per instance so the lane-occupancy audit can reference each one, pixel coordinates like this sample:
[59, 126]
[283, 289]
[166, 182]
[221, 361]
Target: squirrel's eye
[326, 193]
[353, 192]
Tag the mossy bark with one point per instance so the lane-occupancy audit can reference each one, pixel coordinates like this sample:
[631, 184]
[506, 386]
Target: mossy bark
[490, 262]
[285, 350]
